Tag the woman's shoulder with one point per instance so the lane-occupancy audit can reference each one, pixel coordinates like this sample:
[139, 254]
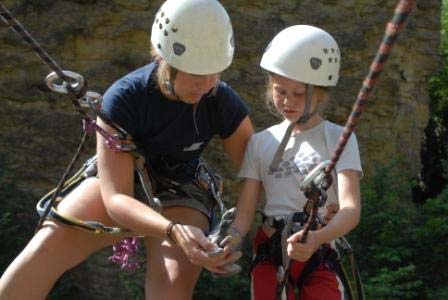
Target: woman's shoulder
[136, 80]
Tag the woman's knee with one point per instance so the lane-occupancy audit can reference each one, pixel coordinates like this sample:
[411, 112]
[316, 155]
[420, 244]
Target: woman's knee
[169, 270]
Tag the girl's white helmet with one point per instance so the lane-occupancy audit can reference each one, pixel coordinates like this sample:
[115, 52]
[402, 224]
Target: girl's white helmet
[304, 53]
[194, 36]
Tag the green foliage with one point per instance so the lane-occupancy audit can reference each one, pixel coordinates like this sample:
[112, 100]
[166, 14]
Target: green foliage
[431, 238]
[382, 241]
[394, 284]
[399, 243]
[434, 149]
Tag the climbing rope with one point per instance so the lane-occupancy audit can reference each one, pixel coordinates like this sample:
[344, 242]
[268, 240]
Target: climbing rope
[393, 29]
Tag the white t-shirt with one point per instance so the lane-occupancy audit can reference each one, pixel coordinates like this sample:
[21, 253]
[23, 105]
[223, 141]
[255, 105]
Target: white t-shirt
[304, 151]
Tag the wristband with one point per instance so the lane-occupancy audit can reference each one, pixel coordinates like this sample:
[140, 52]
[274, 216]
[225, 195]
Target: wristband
[169, 231]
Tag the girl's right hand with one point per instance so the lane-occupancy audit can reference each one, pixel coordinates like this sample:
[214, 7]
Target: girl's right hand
[195, 244]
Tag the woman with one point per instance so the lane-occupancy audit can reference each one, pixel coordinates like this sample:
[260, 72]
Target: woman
[302, 62]
[171, 108]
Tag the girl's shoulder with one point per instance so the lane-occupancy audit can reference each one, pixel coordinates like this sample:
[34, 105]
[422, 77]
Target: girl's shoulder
[333, 128]
[273, 132]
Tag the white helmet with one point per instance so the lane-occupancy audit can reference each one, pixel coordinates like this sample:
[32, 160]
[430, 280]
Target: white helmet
[304, 53]
[194, 36]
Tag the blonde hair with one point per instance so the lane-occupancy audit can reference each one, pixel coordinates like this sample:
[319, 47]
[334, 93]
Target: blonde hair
[320, 91]
[165, 72]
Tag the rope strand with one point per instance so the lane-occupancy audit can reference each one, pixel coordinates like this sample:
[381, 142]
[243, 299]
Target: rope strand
[393, 29]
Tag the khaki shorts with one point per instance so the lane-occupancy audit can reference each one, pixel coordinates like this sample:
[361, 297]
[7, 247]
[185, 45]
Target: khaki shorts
[187, 195]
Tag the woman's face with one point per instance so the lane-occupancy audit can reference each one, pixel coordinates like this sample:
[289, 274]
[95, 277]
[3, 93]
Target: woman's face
[190, 88]
[289, 97]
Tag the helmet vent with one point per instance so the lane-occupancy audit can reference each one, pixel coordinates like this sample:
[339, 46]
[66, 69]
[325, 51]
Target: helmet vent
[178, 48]
[165, 33]
[330, 77]
[325, 50]
[167, 21]
[315, 63]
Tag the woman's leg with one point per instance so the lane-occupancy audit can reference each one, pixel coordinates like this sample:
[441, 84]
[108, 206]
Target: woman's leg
[170, 275]
[57, 247]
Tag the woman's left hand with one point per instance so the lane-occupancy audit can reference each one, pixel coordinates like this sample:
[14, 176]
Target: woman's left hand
[302, 251]
[195, 245]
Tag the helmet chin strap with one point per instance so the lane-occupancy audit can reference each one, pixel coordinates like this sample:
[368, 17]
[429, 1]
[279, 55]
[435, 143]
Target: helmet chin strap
[302, 120]
[306, 112]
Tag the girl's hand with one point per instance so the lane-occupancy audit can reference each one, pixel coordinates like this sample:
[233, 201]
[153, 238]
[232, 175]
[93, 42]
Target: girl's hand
[299, 251]
[195, 245]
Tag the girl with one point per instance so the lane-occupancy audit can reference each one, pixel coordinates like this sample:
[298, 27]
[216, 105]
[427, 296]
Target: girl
[171, 108]
[302, 61]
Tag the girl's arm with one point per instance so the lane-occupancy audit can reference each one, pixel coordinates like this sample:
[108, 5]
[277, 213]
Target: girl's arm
[247, 205]
[349, 208]
[342, 223]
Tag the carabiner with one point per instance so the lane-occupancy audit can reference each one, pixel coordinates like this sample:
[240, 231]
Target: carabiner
[77, 82]
[315, 177]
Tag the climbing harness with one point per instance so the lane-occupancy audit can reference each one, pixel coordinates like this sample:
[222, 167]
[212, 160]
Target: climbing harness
[314, 186]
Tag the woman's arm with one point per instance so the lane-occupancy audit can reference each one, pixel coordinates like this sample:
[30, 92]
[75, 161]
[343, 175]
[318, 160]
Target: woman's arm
[235, 145]
[116, 174]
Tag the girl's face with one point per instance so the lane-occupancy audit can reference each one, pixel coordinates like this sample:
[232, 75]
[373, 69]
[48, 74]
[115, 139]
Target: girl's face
[190, 88]
[289, 97]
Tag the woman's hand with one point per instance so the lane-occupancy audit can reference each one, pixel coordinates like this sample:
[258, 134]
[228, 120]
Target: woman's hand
[302, 252]
[195, 245]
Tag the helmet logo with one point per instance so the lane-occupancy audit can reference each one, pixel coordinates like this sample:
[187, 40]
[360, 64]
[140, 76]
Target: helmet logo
[315, 63]
[178, 48]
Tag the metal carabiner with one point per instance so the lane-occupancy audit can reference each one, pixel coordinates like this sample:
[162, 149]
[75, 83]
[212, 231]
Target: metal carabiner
[315, 177]
[91, 100]
[77, 83]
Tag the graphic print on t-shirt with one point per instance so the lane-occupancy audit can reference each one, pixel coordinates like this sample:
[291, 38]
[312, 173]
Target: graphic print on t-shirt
[300, 164]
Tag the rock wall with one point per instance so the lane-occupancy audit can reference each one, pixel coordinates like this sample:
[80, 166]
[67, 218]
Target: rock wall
[103, 40]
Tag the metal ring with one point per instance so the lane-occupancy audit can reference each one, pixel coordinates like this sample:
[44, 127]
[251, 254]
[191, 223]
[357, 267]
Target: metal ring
[77, 82]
